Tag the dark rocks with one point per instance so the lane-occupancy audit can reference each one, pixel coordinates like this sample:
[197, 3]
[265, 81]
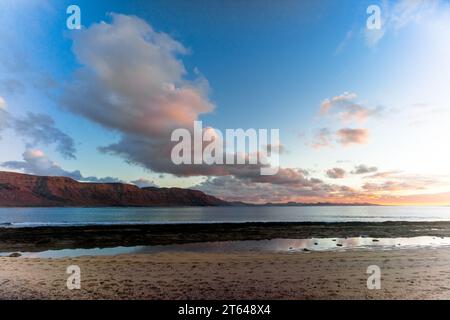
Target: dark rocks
[15, 255]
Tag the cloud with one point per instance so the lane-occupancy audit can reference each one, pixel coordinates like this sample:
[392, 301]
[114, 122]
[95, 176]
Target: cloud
[40, 129]
[310, 189]
[36, 162]
[349, 136]
[12, 86]
[336, 173]
[347, 108]
[2, 103]
[133, 82]
[348, 36]
[144, 183]
[37, 129]
[398, 182]
[322, 138]
[390, 186]
[327, 104]
[363, 169]
[3, 115]
[304, 190]
[382, 175]
[284, 176]
[237, 189]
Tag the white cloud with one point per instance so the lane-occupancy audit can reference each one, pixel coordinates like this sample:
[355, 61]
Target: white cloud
[133, 81]
[36, 162]
[144, 183]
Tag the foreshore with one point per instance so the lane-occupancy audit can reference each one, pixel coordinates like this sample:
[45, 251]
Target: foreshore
[416, 273]
[405, 274]
[72, 237]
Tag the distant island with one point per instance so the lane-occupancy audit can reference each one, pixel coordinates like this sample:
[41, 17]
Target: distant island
[25, 190]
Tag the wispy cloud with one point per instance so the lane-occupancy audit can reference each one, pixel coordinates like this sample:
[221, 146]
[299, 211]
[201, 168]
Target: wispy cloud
[399, 14]
[37, 129]
[347, 109]
[322, 138]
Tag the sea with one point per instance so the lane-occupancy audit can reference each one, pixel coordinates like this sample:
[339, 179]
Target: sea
[31, 217]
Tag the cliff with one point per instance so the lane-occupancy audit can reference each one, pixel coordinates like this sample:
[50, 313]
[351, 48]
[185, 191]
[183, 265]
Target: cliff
[23, 190]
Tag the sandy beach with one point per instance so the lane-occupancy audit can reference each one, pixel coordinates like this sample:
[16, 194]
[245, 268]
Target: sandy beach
[406, 274]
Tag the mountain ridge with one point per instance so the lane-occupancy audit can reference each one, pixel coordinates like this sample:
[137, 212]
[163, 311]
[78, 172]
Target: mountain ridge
[26, 190]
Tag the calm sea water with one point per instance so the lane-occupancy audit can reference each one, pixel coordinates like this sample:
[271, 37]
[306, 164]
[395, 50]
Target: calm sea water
[273, 245]
[28, 217]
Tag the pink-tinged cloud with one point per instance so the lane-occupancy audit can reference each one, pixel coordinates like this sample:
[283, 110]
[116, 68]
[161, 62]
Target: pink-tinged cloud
[347, 109]
[349, 136]
[132, 80]
[383, 175]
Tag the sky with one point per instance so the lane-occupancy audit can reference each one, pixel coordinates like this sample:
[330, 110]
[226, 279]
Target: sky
[362, 113]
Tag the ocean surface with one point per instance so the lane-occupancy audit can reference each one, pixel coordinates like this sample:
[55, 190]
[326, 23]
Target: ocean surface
[29, 217]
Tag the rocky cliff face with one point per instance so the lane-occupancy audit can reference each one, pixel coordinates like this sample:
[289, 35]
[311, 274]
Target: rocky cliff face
[23, 190]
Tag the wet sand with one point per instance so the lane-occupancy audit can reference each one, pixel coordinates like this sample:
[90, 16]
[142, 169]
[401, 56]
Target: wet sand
[416, 273]
[45, 238]
[405, 274]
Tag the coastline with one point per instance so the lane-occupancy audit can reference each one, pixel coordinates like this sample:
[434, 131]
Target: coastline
[97, 236]
[405, 274]
[412, 273]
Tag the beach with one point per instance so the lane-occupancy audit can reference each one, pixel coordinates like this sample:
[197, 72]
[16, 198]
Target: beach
[405, 274]
[195, 261]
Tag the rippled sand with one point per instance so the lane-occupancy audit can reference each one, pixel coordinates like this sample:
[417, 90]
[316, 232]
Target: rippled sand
[406, 274]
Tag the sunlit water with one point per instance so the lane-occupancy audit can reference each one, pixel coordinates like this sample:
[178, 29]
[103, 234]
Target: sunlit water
[27, 217]
[275, 245]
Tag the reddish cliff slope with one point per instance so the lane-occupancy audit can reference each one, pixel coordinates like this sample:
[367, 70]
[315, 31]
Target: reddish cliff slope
[23, 190]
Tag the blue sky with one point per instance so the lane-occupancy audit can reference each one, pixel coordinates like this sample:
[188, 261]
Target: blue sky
[266, 64]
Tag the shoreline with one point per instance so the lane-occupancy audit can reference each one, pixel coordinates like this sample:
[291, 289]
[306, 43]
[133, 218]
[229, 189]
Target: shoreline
[411, 274]
[33, 239]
